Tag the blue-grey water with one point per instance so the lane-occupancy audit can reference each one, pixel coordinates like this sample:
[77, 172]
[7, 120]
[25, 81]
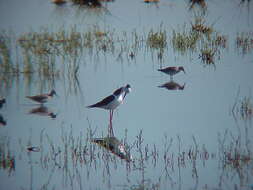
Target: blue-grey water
[203, 109]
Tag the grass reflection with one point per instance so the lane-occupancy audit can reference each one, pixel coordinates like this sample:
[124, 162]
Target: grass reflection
[7, 159]
[244, 42]
[170, 162]
[173, 159]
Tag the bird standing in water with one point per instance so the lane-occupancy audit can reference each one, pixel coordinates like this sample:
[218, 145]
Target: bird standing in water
[172, 71]
[42, 98]
[112, 102]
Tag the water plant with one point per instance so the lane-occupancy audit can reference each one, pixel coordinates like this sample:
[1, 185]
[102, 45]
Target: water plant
[207, 56]
[157, 40]
[200, 27]
[184, 41]
[5, 53]
[7, 160]
[244, 42]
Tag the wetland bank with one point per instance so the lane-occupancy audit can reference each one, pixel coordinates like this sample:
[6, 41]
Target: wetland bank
[194, 134]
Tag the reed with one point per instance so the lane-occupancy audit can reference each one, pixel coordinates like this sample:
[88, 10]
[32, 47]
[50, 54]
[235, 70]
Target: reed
[244, 42]
[5, 53]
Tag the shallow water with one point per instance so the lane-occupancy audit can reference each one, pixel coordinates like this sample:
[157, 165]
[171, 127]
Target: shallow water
[202, 111]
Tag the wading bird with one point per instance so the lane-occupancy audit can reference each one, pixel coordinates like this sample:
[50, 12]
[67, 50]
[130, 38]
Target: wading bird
[42, 98]
[112, 102]
[172, 70]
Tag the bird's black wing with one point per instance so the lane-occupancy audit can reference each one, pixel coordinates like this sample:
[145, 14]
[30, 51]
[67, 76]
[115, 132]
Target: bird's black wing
[38, 98]
[103, 102]
[118, 91]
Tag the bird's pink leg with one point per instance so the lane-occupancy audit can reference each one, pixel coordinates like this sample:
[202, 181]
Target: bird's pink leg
[111, 125]
[110, 121]
[110, 130]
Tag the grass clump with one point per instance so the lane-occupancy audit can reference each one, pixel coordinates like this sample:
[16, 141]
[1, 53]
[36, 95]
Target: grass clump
[7, 160]
[157, 40]
[5, 53]
[185, 41]
[244, 108]
[207, 56]
[244, 42]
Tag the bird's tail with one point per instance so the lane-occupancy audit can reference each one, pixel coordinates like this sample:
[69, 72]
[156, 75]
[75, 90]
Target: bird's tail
[161, 86]
[91, 106]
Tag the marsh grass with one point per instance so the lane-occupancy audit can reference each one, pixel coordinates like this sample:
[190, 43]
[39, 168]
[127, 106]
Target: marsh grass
[75, 153]
[184, 41]
[244, 42]
[56, 54]
[157, 40]
[6, 64]
[207, 56]
[243, 107]
[234, 154]
[199, 38]
[200, 26]
[7, 159]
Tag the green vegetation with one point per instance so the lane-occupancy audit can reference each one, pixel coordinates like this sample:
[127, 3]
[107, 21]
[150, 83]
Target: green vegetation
[184, 41]
[199, 38]
[5, 53]
[52, 54]
[157, 40]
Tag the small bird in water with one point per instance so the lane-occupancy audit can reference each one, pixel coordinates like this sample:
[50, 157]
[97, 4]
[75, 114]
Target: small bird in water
[42, 98]
[112, 102]
[172, 70]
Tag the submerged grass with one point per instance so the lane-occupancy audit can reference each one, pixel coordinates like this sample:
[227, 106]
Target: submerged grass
[243, 108]
[157, 40]
[7, 159]
[71, 154]
[6, 65]
[42, 52]
[199, 38]
[244, 42]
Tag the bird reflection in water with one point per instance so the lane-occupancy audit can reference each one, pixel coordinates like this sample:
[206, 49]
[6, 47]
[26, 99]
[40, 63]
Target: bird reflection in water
[43, 111]
[115, 146]
[2, 121]
[172, 86]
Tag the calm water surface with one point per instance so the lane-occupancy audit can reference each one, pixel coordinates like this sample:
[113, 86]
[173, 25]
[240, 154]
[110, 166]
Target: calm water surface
[201, 111]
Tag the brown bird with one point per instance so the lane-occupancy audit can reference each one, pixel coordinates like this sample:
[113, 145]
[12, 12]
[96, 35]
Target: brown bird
[172, 70]
[42, 98]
